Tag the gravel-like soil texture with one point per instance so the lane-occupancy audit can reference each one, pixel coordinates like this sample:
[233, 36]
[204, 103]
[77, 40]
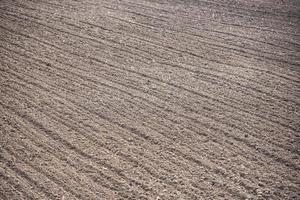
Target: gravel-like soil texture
[149, 99]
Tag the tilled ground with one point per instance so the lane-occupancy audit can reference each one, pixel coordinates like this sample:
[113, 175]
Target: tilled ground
[149, 99]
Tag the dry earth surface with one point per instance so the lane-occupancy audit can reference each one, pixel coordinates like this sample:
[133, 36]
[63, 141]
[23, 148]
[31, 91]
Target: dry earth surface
[149, 99]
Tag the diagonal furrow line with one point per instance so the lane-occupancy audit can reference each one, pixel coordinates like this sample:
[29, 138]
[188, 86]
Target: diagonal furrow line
[139, 24]
[25, 176]
[186, 16]
[196, 121]
[196, 93]
[62, 156]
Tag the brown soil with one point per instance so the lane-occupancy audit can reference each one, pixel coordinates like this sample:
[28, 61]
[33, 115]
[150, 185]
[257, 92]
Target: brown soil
[149, 99]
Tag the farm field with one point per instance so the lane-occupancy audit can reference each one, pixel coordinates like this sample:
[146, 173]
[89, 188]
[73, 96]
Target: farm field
[149, 99]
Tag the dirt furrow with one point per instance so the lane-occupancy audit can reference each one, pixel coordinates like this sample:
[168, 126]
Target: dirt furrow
[149, 99]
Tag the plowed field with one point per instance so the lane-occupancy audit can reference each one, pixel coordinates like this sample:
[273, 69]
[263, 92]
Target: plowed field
[149, 99]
